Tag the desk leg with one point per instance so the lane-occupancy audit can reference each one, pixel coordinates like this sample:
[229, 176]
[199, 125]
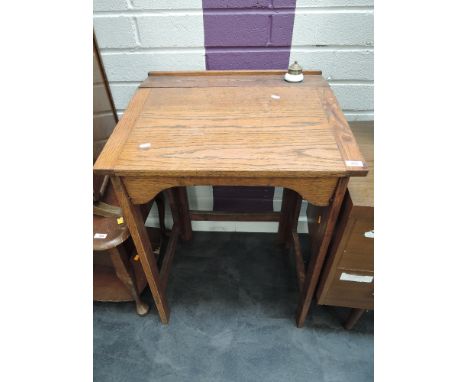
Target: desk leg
[161, 213]
[183, 207]
[315, 267]
[354, 317]
[290, 209]
[136, 225]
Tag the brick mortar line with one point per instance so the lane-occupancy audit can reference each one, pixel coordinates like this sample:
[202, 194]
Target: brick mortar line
[137, 32]
[333, 82]
[188, 49]
[216, 11]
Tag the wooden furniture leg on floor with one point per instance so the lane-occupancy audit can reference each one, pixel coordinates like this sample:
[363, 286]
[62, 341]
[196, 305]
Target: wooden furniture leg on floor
[287, 230]
[125, 273]
[142, 243]
[354, 317]
[315, 265]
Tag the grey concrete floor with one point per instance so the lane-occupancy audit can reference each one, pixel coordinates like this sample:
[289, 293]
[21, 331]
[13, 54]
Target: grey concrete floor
[232, 298]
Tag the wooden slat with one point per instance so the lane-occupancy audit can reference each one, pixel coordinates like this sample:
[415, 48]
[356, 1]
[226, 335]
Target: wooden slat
[106, 210]
[230, 79]
[234, 216]
[210, 73]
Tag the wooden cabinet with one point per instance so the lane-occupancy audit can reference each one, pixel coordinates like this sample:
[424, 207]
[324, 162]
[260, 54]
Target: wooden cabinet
[347, 278]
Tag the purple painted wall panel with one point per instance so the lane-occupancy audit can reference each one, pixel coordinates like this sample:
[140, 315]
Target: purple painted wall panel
[281, 29]
[247, 34]
[284, 4]
[268, 59]
[236, 30]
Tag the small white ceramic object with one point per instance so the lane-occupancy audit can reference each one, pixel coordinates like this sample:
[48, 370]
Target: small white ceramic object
[294, 77]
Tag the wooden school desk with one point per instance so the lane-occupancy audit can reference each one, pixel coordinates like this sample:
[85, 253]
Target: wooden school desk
[232, 128]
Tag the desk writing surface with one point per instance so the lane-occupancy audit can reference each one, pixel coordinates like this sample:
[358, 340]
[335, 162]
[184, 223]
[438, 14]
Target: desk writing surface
[232, 125]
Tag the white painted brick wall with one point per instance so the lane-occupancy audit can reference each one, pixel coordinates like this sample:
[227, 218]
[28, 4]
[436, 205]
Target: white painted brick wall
[337, 37]
[135, 66]
[313, 27]
[333, 3]
[359, 62]
[122, 93]
[111, 5]
[115, 32]
[356, 96]
[179, 30]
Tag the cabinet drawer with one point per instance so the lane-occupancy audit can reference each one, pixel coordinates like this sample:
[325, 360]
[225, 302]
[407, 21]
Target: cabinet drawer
[349, 289]
[357, 243]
